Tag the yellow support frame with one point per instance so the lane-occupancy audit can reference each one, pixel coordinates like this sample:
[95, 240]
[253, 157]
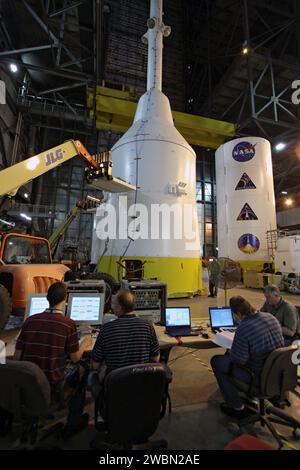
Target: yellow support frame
[115, 110]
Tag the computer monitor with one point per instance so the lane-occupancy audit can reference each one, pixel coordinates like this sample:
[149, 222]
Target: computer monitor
[221, 317]
[178, 316]
[86, 308]
[37, 303]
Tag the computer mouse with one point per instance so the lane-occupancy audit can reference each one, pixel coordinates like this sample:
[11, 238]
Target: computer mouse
[205, 335]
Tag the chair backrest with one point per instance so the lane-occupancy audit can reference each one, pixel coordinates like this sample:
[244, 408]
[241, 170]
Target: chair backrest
[298, 327]
[279, 374]
[133, 397]
[24, 389]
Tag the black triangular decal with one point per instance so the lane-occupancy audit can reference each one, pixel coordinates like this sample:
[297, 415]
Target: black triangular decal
[245, 183]
[247, 213]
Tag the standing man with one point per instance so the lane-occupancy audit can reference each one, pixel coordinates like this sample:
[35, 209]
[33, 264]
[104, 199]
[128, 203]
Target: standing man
[48, 339]
[257, 335]
[214, 270]
[286, 313]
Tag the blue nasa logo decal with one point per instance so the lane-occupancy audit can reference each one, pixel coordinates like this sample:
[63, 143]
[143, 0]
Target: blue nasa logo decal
[243, 151]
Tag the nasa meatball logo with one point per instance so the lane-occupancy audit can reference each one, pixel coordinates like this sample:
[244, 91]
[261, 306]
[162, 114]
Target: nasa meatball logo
[243, 151]
[248, 243]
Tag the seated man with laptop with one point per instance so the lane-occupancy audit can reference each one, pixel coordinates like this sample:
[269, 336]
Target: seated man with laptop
[126, 341]
[49, 339]
[256, 336]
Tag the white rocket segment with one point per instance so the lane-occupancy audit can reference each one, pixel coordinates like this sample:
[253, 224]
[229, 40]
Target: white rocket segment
[155, 158]
[154, 37]
[245, 198]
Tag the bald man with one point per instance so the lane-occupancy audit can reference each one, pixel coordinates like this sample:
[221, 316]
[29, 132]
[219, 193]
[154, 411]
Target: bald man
[126, 341]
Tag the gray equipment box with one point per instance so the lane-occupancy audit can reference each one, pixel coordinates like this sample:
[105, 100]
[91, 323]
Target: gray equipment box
[86, 285]
[151, 298]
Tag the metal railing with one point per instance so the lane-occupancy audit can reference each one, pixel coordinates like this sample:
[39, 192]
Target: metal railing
[33, 210]
[272, 238]
[46, 105]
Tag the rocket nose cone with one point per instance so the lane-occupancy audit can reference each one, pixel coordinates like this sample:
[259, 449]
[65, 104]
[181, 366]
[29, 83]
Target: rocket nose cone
[154, 105]
[153, 121]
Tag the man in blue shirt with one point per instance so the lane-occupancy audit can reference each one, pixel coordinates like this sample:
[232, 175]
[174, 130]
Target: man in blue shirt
[257, 335]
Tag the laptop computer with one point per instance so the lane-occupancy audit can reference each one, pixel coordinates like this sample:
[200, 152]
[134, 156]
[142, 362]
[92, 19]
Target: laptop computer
[221, 319]
[178, 321]
[37, 303]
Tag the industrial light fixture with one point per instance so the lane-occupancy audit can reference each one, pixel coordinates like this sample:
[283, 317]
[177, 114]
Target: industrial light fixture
[288, 201]
[93, 198]
[280, 146]
[26, 195]
[25, 216]
[5, 222]
[245, 48]
[284, 192]
[13, 68]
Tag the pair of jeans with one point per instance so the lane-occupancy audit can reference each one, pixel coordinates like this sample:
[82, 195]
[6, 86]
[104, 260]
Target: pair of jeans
[213, 288]
[220, 365]
[73, 391]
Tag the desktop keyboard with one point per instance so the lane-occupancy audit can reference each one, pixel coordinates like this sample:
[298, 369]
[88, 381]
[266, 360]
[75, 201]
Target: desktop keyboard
[182, 333]
[231, 330]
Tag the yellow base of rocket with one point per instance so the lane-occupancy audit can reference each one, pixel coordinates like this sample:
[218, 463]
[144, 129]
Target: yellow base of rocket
[183, 276]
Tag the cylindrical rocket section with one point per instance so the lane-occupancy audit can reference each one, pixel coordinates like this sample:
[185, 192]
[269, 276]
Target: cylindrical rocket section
[154, 36]
[157, 223]
[245, 200]
[154, 157]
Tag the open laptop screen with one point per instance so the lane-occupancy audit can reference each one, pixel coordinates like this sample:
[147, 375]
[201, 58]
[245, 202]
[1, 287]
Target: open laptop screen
[221, 317]
[86, 308]
[178, 316]
[37, 303]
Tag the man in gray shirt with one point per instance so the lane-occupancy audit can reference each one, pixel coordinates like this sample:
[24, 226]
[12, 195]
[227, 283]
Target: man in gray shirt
[286, 313]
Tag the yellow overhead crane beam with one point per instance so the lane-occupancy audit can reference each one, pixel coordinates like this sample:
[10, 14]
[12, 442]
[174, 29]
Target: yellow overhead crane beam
[115, 110]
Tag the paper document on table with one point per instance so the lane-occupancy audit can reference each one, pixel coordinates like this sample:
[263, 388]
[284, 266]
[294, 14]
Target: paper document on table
[224, 339]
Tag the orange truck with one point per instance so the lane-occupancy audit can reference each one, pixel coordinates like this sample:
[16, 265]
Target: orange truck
[25, 268]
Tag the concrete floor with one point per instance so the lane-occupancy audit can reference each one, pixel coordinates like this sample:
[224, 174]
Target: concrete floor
[200, 304]
[196, 421]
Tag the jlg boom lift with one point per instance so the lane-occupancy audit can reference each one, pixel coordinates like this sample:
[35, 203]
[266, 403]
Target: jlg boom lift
[25, 261]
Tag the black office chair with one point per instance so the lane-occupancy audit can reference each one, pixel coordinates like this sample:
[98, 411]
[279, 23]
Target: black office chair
[131, 405]
[278, 377]
[298, 337]
[25, 394]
